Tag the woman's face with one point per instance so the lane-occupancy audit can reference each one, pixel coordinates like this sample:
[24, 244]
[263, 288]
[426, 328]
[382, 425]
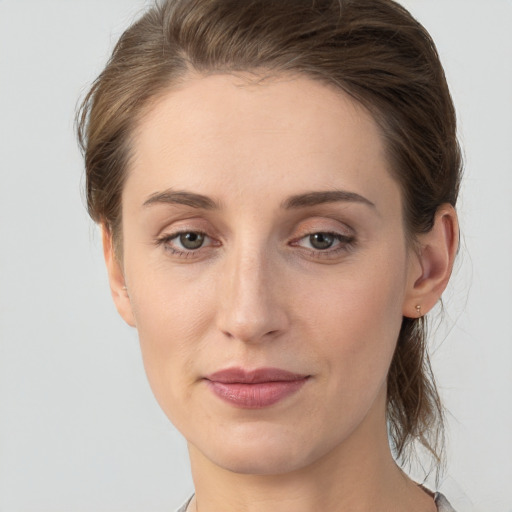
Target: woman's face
[266, 267]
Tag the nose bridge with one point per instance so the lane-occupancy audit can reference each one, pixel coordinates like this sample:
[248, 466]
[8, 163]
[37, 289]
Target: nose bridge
[248, 306]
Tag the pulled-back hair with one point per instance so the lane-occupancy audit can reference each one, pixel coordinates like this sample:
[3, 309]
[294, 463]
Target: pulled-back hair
[373, 50]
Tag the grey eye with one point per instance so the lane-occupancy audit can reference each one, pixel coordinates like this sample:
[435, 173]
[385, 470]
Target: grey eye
[191, 240]
[321, 240]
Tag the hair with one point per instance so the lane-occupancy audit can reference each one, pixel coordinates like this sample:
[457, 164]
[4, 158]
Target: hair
[372, 50]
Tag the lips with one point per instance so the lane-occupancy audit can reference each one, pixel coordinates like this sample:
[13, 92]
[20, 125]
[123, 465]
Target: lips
[254, 389]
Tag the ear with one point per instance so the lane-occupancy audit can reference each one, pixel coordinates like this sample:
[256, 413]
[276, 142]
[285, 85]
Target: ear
[116, 278]
[431, 263]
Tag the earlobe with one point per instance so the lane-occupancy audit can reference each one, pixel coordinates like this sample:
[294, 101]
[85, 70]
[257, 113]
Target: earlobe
[116, 278]
[432, 264]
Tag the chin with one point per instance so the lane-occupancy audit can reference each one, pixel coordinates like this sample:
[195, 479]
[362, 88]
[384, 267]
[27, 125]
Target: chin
[259, 462]
[262, 453]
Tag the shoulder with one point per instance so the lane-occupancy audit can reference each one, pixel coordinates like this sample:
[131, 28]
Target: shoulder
[442, 503]
[183, 508]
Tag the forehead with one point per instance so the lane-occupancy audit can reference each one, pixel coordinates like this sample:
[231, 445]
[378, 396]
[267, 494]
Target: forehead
[289, 131]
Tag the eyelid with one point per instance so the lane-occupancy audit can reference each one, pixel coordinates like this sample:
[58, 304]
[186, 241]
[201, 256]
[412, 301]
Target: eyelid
[345, 238]
[166, 238]
[339, 236]
[324, 223]
[345, 225]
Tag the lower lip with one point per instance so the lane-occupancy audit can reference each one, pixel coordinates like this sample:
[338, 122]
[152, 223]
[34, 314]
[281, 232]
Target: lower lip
[258, 395]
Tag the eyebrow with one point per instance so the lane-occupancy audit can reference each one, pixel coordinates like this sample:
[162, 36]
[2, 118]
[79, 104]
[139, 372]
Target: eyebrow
[294, 202]
[185, 198]
[322, 197]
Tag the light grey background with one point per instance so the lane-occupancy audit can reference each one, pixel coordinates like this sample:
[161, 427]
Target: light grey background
[79, 428]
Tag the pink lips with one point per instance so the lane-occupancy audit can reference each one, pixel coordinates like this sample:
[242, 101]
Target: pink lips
[254, 389]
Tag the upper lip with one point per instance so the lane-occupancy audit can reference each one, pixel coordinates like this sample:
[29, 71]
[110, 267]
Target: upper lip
[259, 375]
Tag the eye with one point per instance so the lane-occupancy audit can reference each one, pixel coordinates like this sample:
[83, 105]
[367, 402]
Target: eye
[325, 244]
[185, 244]
[321, 241]
[191, 240]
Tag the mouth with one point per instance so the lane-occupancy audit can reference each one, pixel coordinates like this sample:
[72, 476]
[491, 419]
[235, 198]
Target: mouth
[254, 389]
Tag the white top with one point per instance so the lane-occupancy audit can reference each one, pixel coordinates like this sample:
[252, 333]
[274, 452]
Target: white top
[442, 504]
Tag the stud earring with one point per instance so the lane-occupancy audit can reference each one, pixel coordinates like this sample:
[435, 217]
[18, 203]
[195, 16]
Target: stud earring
[418, 310]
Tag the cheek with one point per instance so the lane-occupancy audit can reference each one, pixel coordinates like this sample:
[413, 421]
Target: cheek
[356, 321]
[172, 320]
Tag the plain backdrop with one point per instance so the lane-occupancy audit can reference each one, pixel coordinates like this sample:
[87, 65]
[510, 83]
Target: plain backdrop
[79, 427]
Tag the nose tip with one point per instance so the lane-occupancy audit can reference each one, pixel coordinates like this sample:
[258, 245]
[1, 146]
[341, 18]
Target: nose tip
[249, 330]
[250, 307]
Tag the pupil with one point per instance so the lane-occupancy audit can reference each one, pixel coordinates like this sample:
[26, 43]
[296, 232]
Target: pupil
[321, 240]
[191, 240]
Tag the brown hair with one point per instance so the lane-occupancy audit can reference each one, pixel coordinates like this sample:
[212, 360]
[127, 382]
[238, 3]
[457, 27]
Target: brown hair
[374, 50]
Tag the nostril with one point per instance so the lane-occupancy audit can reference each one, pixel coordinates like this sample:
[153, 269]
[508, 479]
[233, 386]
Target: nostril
[251, 335]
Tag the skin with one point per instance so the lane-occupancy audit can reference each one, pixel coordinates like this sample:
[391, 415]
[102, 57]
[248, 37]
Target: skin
[260, 293]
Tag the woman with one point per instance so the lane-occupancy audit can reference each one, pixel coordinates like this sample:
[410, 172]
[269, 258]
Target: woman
[276, 183]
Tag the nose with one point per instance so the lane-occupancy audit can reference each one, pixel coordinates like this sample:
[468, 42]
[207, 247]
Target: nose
[250, 305]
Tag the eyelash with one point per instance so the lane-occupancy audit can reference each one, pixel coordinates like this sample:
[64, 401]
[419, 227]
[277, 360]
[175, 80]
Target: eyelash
[346, 243]
[181, 253]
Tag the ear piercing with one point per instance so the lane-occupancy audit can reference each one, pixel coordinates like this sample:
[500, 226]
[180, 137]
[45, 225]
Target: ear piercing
[418, 310]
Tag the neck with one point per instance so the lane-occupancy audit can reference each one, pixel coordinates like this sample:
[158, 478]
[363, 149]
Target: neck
[359, 475]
